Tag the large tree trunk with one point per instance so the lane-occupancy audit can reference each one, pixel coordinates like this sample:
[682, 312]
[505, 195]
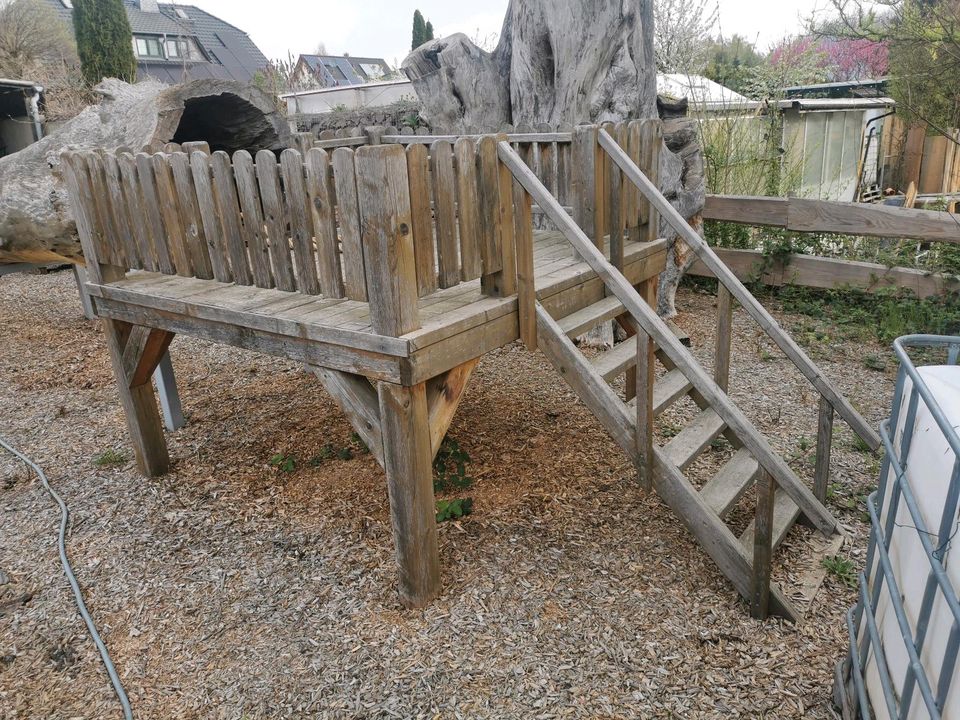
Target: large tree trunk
[36, 223]
[564, 61]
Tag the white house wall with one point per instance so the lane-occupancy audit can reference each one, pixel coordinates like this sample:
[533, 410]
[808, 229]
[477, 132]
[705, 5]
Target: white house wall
[353, 97]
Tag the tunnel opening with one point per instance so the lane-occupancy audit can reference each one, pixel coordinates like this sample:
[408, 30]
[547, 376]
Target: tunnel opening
[227, 122]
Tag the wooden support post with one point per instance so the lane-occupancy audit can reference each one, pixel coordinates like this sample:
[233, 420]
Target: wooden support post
[762, 546]
[139, 404]
[643, 380]
[444, 393]
[389, 258]
[357, 398]
[652, 140]
[582, 177]
[821, 473]
[409, 464]
[526, 289]
[721, 364]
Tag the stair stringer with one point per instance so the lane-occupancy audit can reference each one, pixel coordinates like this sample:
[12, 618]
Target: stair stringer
[671, 485]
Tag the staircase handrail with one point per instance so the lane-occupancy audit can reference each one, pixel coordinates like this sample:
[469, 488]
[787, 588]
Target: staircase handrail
[746, 299]
[656, 328]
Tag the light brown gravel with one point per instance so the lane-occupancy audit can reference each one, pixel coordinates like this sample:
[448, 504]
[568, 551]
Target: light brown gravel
[228, 589]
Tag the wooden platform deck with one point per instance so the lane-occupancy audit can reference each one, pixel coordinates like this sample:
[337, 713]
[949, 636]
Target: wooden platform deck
[458, 324]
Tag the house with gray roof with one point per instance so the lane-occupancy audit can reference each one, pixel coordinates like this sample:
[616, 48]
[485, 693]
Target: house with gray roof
[324, 71]
[175, 43]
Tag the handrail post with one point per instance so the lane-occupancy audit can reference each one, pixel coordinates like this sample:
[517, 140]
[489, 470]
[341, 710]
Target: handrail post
[762, 546]
[583, 177]
[513, 193]
[721, 365]
[821, 473]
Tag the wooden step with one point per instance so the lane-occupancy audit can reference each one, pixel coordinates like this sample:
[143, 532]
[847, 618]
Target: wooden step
[666, 391]
[725, 488]
[785, 513]
[584, 320]
[691, 441]
[611, 363]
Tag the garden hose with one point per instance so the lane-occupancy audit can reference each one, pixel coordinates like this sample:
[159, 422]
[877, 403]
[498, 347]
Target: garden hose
[78, 596]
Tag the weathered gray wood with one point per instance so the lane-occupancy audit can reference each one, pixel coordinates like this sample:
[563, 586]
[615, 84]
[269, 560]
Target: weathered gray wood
[275, 220]
[504, 282]
[467, 211]
[652, 141]
[142, 353]
[825, 216]
[134, 202]
[301, 226]
[228, 210]
[120, 211]
[785, 514]
[714, 536]
[644, 378]
[207, 209]
[170, 211]
[418, 176]
[820, 272]
[139, 406]
[196, 146]
[488, 187]
[526, 273]
[725, 488]
[357, 398]
[190, 221]
[168, 394]
[445, 212]
[657, 329]
[324, 226]
[721, 364]
[687, 445]
[387, 239]
[595, 393]
[821, 472]
[583, 321]
[111, 242]
[409, 465]
[78, 189]
[253, 225]
[153, 217]
[614, 204]
[345, 181]
[762, 547]
[582, 177]
[743, 296]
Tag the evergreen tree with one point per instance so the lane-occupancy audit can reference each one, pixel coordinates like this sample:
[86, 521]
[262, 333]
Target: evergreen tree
[419, 30]
[104, 40]
[429, 29]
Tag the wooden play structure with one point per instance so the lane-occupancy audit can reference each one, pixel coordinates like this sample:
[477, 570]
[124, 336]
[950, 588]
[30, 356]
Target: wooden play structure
[391, 263]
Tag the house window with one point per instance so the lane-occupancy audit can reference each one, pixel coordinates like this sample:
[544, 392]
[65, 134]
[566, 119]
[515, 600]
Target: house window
[148, 47]
[178, 49]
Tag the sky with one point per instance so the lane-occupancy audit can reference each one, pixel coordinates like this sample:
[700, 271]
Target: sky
[382, 28]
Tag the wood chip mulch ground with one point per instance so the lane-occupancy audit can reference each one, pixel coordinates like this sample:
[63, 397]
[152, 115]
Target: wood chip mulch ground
[233, 589]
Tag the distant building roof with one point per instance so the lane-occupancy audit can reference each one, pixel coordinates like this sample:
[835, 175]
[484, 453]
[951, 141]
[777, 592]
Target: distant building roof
[228, 52]
[845, 89]
[340, 70]
[700, 91]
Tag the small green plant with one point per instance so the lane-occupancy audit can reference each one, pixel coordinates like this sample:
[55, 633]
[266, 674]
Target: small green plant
[860, 445]
[283, 462]
[841, 568]
[874, 362]
[453, 509]
[326, 452]
[110, 457]
[358, 441]
[804, 444]
[345, 453]
[450, 467]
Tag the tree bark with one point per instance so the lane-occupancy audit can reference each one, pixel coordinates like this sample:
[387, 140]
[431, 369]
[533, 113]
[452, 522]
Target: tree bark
[36, 222]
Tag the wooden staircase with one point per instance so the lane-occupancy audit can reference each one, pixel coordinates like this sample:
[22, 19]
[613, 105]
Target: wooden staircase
[781, 496]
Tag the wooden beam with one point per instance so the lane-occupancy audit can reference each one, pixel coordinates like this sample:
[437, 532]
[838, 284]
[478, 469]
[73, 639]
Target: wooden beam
[721, 365]
[829, 273]
[821, 472]
[357, 399]
[443, 397]
[762, 546]
[409, 465]
[142, 353]
[825, 216]
[139, 405]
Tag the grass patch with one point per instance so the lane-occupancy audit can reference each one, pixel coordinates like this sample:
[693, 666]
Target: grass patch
[110, 457]
[842, 569]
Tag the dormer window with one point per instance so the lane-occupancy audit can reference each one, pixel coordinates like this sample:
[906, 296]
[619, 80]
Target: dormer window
[148, 47]
[178, 49]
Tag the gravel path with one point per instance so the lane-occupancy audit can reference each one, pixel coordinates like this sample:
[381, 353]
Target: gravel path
[231, 589]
